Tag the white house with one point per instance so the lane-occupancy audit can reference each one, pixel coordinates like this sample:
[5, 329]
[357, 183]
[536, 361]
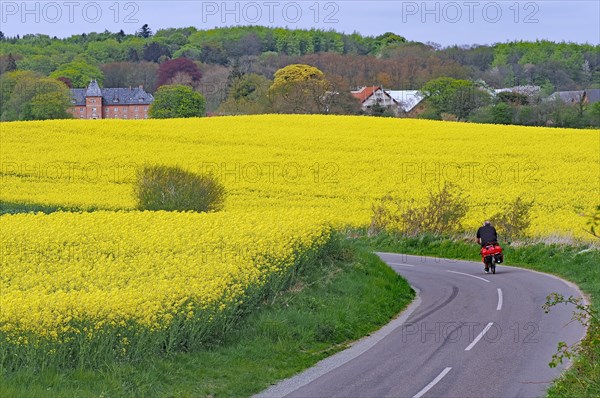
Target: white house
[407, 99]
[371, 95]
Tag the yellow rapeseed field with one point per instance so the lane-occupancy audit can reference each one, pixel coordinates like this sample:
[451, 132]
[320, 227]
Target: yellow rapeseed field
[337, 165]
[289, 179]
[146, 267]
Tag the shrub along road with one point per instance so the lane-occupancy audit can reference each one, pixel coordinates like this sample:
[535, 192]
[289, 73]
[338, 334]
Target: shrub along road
[468, 334]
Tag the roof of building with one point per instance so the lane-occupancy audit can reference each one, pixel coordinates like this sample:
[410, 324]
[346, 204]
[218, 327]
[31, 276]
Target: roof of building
[111, 96]
[569, 96]
[364, 92]
[93, 89]
[525, 90]
[407, 99]
[593, 95]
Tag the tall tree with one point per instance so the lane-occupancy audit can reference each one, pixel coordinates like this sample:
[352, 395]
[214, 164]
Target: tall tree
[299, 88]
[66, 81]
[11, 63]
[144, 31]
[120, 35]
[28, 96]
[177, 101]
[79, 72]
[169, 69]
[453, 96]
[213, 55]
[125, 74]
[247, 95]
[133, 55]
[154, 51]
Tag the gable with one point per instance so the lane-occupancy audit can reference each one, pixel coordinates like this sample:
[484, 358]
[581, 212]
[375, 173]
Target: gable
[114, 96]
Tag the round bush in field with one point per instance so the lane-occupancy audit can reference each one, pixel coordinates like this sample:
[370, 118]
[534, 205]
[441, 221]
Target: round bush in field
[172, 189]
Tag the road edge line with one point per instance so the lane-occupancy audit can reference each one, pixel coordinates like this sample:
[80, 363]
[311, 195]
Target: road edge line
[357, 348]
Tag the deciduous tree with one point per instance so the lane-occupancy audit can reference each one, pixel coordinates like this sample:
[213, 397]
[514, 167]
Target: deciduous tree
[454, 96]
[79, 72]
[299, 88]
[29, 96]
[169, 69]
[177, 101]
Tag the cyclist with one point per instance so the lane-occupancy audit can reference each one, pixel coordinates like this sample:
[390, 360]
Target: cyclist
[487, 234]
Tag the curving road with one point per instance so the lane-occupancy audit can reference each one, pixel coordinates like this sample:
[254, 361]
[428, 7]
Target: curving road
[468, 334]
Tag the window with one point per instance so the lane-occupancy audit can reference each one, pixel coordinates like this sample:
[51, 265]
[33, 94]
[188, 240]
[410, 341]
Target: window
[93, 100]
[80, 109]
[124, 109]
[116, 109]
[135, 108]
[124, 116]
[93, 109]
[146, 108]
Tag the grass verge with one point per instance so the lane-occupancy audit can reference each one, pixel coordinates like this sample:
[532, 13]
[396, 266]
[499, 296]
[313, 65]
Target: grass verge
[578, 264]
[339, 298]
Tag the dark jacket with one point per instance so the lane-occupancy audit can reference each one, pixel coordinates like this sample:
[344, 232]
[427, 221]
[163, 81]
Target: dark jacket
[488, 234]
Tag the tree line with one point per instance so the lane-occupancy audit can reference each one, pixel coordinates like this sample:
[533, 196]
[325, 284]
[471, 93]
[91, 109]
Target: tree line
[227, 58]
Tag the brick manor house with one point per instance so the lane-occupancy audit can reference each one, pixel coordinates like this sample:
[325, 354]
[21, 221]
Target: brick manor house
[94, 102]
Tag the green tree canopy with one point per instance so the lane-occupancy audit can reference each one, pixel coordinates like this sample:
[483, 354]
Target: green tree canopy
[299, 88]
[79, 72]
[176, 101]
[247, 95]
[29, 96]
[454, 96]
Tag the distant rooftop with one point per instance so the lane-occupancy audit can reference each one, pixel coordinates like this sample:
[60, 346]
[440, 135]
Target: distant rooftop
[569, 96]
[364, 92]
[93, 89]
[111, 96]
[525, 90]
[407, 99]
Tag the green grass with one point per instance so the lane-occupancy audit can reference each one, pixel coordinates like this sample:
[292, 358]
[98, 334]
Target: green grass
[14, 208]
[339, 298]
[578, 264]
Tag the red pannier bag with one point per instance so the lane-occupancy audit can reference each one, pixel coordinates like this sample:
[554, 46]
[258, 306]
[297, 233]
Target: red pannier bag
[492, 250]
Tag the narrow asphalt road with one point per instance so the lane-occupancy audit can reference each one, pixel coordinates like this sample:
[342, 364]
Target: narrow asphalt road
[468, 334]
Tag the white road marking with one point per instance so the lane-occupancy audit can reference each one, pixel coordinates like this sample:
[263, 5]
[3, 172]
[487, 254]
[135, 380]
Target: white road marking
[499, 307]
[479, 336]
[404, 265]
[472, 276]
[433, 383]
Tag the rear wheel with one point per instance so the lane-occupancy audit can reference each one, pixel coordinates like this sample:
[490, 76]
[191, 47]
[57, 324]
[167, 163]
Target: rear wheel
[489, 262]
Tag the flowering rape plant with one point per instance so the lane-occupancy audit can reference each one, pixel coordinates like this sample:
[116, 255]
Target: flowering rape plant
[139, 272]
[101, 279]
[339, 165]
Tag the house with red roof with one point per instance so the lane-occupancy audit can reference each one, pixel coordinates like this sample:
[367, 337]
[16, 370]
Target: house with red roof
[371, 95]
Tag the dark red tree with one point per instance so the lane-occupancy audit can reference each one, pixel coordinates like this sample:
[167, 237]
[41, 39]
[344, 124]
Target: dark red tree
[66, 81]
[167, 70]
